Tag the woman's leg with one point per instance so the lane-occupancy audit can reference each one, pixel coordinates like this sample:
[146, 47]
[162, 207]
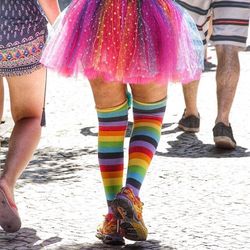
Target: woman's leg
[148, 111]
[112, 112]
[1, 99]
[26, 98]
[149, 103]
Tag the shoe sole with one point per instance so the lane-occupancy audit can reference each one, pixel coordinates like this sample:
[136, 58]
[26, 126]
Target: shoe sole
[9, 220]
[115, 240]
[224, 142]
[132, 228]
[190, 130]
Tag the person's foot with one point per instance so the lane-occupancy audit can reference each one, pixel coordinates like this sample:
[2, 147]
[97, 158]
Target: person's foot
[9, 217]
[223, 136]
[190, 123]
[248, 48]
[208, 66]
[109, 231]
[128, 208]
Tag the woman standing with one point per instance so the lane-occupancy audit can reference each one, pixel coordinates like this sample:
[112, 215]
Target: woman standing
[23, 30]
[114, 42]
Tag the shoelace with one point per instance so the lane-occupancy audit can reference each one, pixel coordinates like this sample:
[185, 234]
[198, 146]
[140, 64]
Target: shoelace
[109, 225]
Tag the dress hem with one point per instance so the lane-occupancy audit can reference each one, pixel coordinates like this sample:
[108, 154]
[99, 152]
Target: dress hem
[21, 73]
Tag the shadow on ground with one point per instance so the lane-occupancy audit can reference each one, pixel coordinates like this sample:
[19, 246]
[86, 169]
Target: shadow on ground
[150, 244]
[53, 164]
[25, 238]
[187, 145]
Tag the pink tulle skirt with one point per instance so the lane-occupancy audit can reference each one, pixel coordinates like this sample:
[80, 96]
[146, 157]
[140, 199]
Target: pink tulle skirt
[129, 41]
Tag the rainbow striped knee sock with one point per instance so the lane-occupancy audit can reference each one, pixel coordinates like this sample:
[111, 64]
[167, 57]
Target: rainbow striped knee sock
[144, 140]
[112, 130]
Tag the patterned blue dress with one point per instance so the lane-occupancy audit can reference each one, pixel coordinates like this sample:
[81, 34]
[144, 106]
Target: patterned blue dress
[23, 30]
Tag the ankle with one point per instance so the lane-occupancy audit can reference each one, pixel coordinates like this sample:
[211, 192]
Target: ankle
[189, 112]
[224, 121]
[7, 187]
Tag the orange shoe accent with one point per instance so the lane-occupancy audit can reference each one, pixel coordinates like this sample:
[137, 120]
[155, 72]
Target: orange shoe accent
[109, 231]
[128, 208]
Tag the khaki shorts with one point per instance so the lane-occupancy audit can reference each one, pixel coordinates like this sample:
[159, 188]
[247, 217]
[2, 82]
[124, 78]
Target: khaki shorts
[230, 19]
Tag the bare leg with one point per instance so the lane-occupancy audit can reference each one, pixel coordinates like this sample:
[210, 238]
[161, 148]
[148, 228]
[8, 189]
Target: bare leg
[149, 93]
[1, 98]
[190, 91]
[26, 97]
[190, 121]
[107, 95]
[227, 77]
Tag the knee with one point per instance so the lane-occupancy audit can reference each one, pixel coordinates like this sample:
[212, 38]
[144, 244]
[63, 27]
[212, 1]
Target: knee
[228, 63]
[149, 93]
[107, 95]
[34, 116]
[227, 55]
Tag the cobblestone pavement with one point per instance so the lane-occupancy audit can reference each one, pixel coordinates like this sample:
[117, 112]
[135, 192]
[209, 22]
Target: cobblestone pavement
[196, 197]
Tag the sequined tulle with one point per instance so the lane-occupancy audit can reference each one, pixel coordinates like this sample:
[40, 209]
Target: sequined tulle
[130, 41]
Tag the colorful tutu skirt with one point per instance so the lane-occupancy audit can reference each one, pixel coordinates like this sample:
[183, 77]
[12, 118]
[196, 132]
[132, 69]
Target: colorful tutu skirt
[128, 41]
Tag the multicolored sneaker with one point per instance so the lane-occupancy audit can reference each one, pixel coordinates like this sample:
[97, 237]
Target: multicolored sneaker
[109, 231]
[128, 208]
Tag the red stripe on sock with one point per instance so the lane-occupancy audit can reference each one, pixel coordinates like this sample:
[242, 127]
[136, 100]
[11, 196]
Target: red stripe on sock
[107, 168]
[114, 128]
[142, 150]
